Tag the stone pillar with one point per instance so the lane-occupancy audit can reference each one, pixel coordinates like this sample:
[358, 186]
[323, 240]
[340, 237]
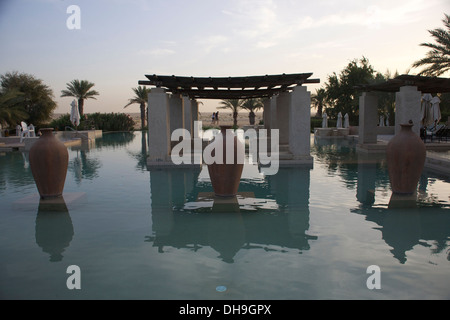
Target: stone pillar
[158, 126]
[368, 118]
[187, 109]
[169, 189]
[367, 177]
[194, 105]
[292, 198]
[195, 134]
[407, 107]
[300, 123]
[283, 103]
[266, 114]
[161, 203]
[273, 113]
[176, 112]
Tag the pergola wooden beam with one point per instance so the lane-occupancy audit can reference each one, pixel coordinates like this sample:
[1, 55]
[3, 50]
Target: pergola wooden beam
[230, 93]
[423, 84]
[221, 87]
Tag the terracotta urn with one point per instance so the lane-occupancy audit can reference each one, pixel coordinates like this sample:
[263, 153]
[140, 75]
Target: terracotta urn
[225, 176]
[49, 160]
[405, 156]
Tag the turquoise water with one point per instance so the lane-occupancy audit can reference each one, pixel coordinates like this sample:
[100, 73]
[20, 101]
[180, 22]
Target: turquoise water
[305, 233]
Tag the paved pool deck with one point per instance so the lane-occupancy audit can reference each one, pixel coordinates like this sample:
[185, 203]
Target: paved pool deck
[69, 138]
[438, 152]
[14, 144]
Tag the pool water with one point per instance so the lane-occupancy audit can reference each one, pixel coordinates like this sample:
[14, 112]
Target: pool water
[304, 233]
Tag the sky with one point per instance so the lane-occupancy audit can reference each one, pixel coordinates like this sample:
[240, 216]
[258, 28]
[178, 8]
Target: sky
[118, 42]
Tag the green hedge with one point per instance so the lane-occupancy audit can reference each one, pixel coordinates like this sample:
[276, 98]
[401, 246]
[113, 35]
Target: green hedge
[98, 121]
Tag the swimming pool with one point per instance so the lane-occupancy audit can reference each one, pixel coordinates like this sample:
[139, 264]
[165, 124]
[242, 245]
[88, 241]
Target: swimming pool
[305, 233]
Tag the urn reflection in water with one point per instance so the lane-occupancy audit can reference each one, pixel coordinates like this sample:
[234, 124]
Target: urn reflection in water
[225, 172]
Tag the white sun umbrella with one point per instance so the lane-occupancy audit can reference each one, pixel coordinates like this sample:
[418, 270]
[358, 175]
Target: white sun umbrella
[435, 110]
[346, 121]
[426, 109]
[74, 114]
[324, 120]
[381, 124]
[339, 120]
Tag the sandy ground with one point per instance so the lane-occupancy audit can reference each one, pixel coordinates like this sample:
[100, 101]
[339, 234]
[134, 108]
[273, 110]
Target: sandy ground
[225, 118]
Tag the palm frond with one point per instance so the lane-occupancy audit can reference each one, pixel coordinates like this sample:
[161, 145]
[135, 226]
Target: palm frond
[141, 96]
[233, 104]
[437, 60]
[80, 89]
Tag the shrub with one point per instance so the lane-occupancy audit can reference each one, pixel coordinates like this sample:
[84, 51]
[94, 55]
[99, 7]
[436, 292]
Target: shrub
[98, 121]
[61, 123]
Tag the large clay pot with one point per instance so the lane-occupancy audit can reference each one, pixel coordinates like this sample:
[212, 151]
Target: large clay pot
[225, 177]
[49, 159]
[405, 155]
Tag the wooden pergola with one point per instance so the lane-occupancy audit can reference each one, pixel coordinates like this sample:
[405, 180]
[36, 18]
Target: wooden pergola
[229, 87]
[424, 84]
[409, 90]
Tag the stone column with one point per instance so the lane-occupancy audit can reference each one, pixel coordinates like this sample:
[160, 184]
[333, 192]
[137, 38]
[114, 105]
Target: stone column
[187, 109]
[283, 102]
[194, 117]
[158, 126]
[161, 203]
[273, 113]
[367, 176]
[195, 134]
[266, 114]
[368, 118]
[407, 107]
[292, 198]
[176, 112]
[300, 123]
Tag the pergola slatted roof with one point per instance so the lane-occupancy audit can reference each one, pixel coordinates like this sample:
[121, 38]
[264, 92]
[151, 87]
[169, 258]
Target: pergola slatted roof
[229, 87]
[424, 84]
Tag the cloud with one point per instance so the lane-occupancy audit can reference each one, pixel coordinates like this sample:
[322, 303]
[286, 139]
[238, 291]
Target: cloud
[157, 52]
[266, 44]
[384, 13]
[253, 18]
[209, 43]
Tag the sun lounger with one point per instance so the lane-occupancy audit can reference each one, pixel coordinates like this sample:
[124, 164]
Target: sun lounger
[430, 132]
[25, 133]
[32, 131]
[443, 133]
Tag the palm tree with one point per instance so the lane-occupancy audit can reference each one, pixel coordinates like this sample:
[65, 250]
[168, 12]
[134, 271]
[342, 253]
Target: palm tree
[252, 105]
[80, 90]
[318, 100]
[234, 105]
[437, 60]
[11, 107]
[141, 98]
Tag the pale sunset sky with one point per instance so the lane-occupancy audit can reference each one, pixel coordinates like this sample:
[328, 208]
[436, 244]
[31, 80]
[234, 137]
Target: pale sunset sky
[119, 41]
